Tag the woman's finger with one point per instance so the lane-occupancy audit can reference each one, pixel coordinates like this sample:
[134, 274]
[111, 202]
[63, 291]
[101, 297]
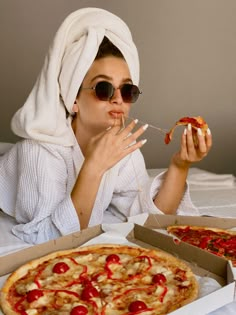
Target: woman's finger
[189, 140]
[131, 138]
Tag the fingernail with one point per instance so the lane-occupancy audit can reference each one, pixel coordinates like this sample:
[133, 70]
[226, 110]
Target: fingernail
[189, 127]
[145, 127]
[136, 121]
[144, 141]
[185, 131]
[199, 131]
[208, 131]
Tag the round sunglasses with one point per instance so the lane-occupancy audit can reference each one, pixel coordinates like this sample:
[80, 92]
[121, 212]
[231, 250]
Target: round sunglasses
[105, 90]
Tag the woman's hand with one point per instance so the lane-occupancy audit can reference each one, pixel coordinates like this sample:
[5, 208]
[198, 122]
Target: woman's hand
[194, 147]
[110, 146]
[102, 152]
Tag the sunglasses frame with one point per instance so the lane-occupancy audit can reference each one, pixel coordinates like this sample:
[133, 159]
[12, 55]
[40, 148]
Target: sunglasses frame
[112, 89]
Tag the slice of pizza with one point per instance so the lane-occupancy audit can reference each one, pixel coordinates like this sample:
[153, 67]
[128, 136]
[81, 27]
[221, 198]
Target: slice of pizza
[196, 122]
[214, 240]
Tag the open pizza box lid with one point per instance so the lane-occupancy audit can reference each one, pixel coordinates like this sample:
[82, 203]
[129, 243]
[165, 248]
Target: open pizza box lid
[202, 263]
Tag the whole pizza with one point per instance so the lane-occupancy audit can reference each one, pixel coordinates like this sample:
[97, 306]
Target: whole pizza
[214, 240]
[100, 279]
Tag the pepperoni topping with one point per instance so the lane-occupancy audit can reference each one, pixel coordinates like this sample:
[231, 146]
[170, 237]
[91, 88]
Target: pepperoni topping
[136, 306]
[113, 258]
[89, 292]
[34, 295]
[79, 310]
[204, 242]
[159, 278]
[60, 267]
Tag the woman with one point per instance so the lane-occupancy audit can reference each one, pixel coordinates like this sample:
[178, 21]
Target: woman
[79, 164]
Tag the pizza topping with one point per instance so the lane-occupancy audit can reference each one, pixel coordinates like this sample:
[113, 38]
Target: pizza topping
[110, 261]
[113, 259]
[60, 267]
[137, 306]
[159, 278]
[34, 295]
[217, 241]
[204, 242]
[79, 310]
[89, 292]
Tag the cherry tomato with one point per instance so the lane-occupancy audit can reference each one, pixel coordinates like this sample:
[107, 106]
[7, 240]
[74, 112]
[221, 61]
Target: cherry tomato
[34, 295]
[113, 258]
[79, 310]
[159, 278]
[60, 267]
[136, 306]
[88, 293]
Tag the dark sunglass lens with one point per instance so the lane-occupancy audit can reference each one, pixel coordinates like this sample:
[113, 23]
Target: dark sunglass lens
[104, 90]
[130, 93]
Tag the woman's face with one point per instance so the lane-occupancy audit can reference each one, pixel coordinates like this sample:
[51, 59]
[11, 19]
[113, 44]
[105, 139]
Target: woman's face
[96, 115]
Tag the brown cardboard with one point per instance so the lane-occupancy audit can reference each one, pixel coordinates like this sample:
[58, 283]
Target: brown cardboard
[186, 251]
[10, 262]
[207, 264]
[142, 235]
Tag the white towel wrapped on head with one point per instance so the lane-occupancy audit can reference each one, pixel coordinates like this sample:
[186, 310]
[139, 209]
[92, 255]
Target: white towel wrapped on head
[73, 50]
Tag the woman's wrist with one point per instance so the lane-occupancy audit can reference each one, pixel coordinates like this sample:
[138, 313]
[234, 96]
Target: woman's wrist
[90, 169]
[180, 164]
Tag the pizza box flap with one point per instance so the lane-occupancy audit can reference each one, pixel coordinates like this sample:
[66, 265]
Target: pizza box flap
[12, 261]
[194, 255]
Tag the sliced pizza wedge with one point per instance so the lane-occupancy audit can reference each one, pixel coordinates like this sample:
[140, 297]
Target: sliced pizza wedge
[196, 122]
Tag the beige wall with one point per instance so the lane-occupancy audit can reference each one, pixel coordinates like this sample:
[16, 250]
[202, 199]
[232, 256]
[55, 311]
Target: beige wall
[187, 51]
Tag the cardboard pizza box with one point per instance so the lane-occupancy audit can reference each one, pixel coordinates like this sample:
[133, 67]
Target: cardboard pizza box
[159, 223]
[202, 265]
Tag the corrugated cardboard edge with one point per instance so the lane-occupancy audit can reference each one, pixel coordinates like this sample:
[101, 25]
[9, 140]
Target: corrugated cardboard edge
[11, 262]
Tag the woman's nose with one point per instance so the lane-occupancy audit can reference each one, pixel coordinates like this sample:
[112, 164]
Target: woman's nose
[117, 97]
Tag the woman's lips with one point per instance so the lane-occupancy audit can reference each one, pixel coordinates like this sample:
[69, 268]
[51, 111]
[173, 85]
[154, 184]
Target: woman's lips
[116, 114]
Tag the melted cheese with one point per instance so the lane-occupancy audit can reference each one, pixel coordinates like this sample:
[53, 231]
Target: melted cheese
[32, 312]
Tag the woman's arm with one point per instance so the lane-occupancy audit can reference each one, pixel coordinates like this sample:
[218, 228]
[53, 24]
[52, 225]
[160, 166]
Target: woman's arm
[43, 181]
[102, 153]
